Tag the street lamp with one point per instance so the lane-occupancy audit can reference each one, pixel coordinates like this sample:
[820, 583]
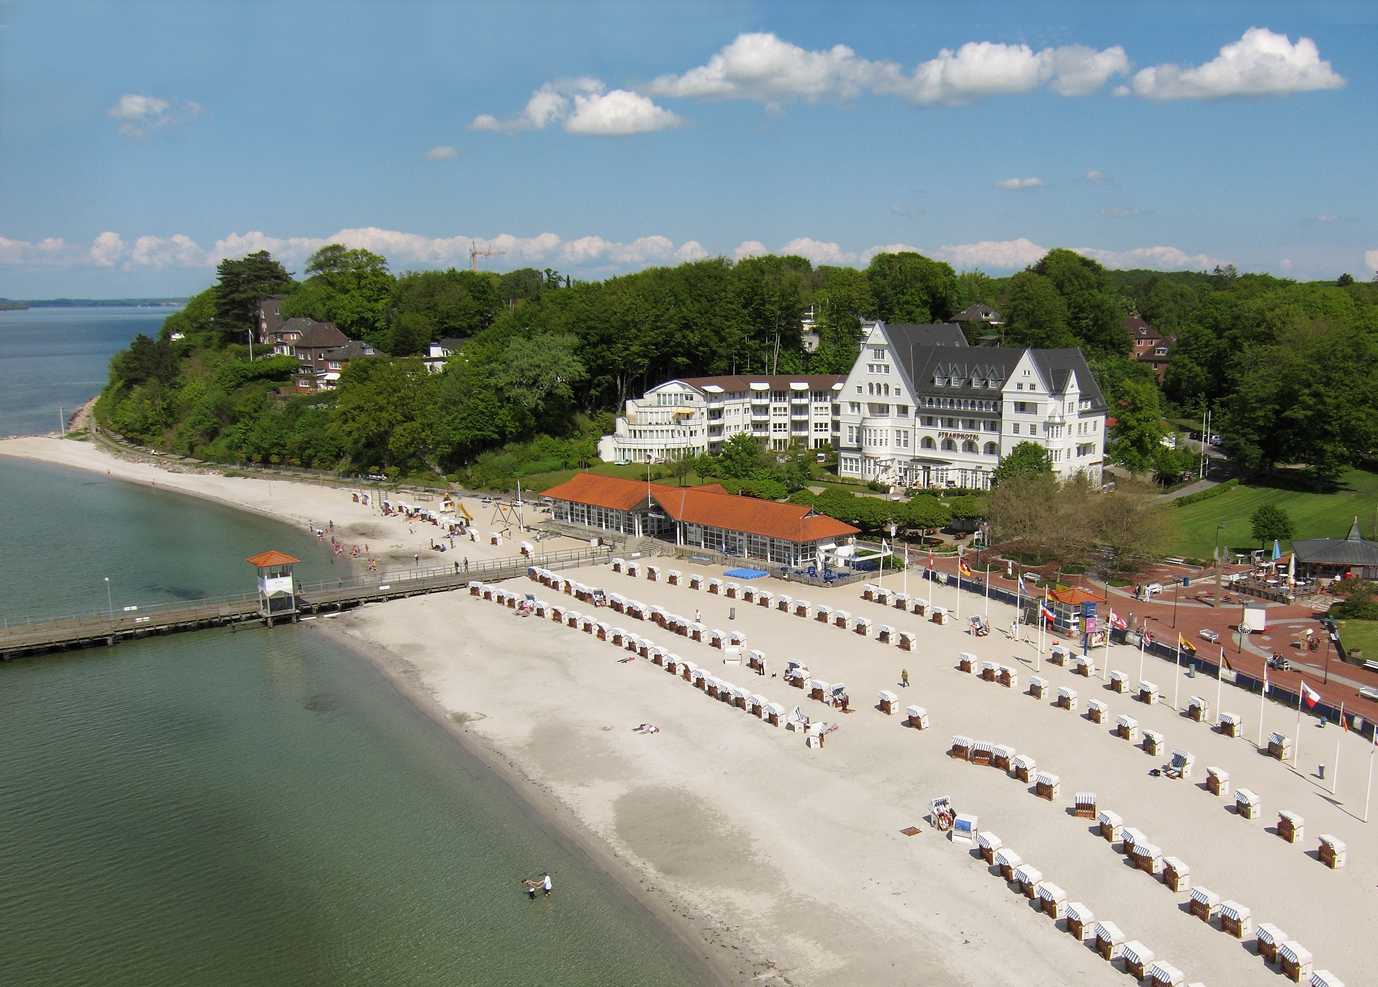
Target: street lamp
[1219, 567]
[110, 606]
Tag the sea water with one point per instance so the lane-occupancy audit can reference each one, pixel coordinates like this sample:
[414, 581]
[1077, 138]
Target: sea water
[258, 806]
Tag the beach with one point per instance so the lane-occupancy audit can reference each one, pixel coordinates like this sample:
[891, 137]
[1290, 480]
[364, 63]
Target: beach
[785, 863]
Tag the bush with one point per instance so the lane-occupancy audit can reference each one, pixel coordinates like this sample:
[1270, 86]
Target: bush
[1215, 491]
[239, 373]
[1357, 609]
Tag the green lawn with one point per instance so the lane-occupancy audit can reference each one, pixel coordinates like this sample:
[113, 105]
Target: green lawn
[1313, 515]
[1361, 634]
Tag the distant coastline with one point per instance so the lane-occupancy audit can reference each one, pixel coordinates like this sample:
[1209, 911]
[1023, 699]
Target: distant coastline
[21, 304]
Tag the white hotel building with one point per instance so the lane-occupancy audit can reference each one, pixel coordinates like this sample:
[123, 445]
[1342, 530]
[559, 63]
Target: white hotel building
[921, 408]
[698, 414]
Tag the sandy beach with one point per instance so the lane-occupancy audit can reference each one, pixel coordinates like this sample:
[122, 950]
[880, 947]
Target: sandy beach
[393, 541]
[790, 860]
[786, 864]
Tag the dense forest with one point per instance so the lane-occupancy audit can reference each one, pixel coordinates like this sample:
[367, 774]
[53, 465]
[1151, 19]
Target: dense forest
[1288, 367]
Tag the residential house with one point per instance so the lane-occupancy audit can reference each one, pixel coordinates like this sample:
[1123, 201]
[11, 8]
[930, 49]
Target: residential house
[269, 317]
[1149, 346]
[325, 374]
[438, 353]
[980, 321]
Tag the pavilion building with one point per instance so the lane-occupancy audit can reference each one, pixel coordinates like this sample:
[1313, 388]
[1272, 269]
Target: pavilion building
[705, 517]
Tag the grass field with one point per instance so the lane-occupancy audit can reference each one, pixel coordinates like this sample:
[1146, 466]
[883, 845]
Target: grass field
[1361, 634]
[1313, 515]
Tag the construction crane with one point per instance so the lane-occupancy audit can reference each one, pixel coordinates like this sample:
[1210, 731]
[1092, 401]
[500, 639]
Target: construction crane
[475, 253]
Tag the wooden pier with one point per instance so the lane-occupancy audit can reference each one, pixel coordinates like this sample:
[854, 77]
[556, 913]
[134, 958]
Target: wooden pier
[100, 630]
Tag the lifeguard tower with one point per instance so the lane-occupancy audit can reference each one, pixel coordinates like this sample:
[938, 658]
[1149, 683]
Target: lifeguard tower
[277, 593]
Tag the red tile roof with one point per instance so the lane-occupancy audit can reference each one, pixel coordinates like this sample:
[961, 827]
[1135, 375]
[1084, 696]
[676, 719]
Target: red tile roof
[706, 505]
[270, 559]
[601, 491]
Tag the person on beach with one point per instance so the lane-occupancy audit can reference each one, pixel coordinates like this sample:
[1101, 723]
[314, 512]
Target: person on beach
[545, 883]
[531, 887]
[904, 677]
[698, 617]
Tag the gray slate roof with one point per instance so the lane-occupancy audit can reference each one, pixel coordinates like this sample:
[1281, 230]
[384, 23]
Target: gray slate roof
[922, 363]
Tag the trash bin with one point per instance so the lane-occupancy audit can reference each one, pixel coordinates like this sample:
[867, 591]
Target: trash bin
[731, 613]
[1322, 772]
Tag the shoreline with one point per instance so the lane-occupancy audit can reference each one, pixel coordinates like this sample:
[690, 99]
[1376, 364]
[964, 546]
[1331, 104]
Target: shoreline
[542, 807]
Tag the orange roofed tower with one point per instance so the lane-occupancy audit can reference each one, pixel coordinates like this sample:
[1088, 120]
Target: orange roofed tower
[277, 594]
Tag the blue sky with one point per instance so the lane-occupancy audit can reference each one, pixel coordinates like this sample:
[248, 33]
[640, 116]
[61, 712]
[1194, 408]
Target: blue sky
[140, 143]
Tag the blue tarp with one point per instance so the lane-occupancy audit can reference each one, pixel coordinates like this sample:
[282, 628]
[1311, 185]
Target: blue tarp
[746, 573]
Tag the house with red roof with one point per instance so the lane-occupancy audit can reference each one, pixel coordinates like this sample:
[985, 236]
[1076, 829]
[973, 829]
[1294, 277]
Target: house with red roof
[705, 517]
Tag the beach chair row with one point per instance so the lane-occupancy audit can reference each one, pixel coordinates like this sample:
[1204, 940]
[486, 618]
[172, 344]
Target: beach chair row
[1294, 961]
[1136, 958]
[654, 573]
[1020, 766]
[909, 604]
[756, 705]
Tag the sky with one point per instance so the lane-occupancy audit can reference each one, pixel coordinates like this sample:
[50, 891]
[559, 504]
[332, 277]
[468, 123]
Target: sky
[142, 143]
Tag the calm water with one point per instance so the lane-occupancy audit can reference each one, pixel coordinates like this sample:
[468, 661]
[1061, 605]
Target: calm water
[257, 807]
[59, 357]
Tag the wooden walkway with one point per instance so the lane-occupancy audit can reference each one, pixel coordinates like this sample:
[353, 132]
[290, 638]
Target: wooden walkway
[133, 623]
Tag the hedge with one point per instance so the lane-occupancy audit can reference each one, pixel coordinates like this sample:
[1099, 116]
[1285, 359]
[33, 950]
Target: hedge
[1215, 491]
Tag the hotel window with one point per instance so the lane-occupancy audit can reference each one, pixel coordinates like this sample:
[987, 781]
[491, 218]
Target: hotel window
[854, 407]
[878, 353]
[779, 426]
[902, 438]
[1014, 428]
[928, 420]
[820, 426]
[851, 435]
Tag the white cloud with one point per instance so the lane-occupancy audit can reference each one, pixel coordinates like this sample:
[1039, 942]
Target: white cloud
[906, 210]
[818, 252]
[141, 116]
[750, 248]
[1000, 254]
[1326, 219]
[1371, 260]
[441, 152]
[1121, 213]
[618, 114]
[175, 251]
[764, 68]
[1260, 63]
[106, 250]
[586, 110]
[1093, 177]
[1286, 265]
[1021, 184]
[19, 253]
[1161, 258]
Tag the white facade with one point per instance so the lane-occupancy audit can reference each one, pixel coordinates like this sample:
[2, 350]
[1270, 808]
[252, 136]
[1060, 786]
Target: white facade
[695, 415]
[968, 407]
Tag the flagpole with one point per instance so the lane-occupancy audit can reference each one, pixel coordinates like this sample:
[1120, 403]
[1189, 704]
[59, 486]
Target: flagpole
[1296, 747]
[1335, 778]
[1143, 631]
[1262, 698]
[988, 584]
[1219, 684]
[959, 584]
[1177, 674]
[906, 573]
[1371, 751]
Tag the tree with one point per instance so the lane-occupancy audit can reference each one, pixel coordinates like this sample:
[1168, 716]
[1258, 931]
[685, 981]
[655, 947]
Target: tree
[540, 372]
[1094, 313]
[1138, 428]
[349, 287]
[1035, 314]
[741, 457]
[1027, 459]
[680, 466]
[239, 286]
[910, 288]
[1270, 523]
[1170, 465]
[925, 512]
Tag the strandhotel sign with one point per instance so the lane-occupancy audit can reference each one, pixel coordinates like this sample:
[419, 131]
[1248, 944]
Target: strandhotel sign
[974, 436]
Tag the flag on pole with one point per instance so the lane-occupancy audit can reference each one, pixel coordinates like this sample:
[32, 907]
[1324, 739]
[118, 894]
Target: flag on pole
[930, 558]
[1225, 662]
[1265, 678]
[1310, 695]
[1184, 645]
[963, 568]
[1344, 724]
[1117, 622]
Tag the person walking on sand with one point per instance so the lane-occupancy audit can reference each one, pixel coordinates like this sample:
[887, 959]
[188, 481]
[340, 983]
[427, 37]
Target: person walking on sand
[545, 883]
[904, 677]
[698, 617]
[531, 887]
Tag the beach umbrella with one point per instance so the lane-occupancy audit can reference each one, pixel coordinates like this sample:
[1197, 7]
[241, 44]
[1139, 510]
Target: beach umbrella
[1292, 568]
[1277, 550]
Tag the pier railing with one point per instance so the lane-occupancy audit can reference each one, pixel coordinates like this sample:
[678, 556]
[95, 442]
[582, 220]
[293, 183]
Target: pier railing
[106, 623]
